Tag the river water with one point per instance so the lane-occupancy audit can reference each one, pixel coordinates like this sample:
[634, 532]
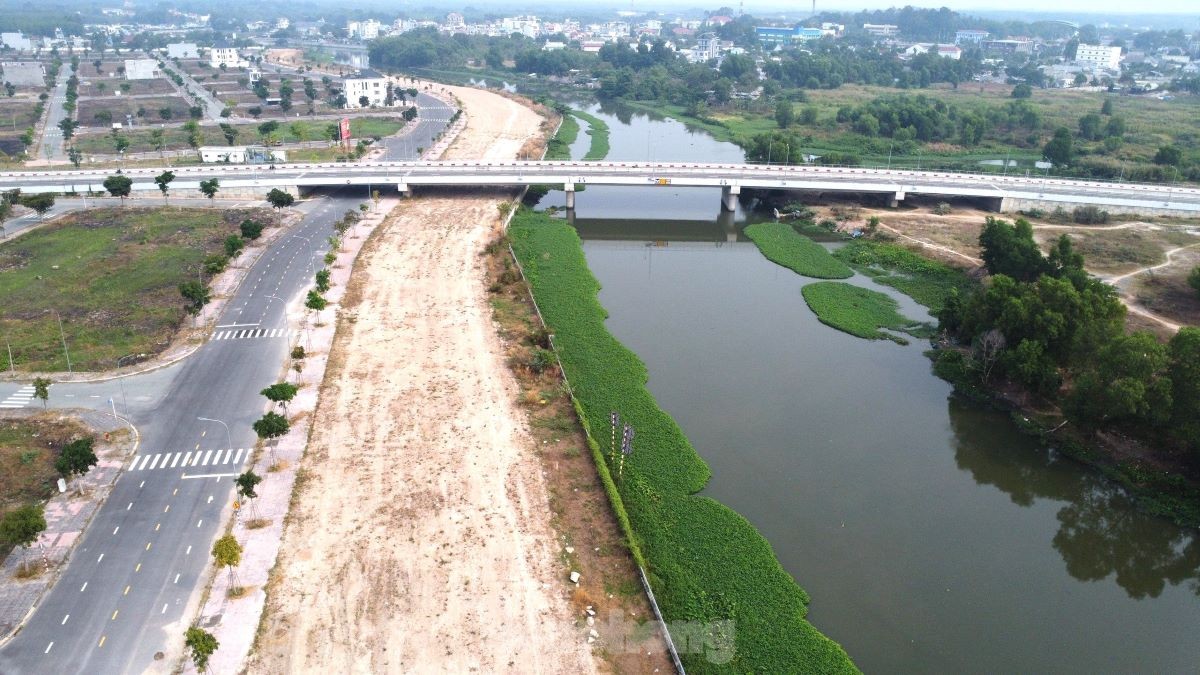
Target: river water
[932, 536]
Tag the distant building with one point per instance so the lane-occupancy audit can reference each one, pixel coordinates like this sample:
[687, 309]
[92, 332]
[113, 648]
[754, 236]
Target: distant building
[1007, 46]
[24, 73]
[553, 46]
[953, 52]
[225, 54]
[183, 50]
[881, 29]
[16, 41]
[141, 69]
[1098, 56]
[772, 36]
[366, 83]
[240, 154]
[970, 37]
[591, 46]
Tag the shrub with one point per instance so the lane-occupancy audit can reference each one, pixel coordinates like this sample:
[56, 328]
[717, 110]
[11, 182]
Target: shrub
[1089, 215]
[251, 229]
[782, 245]
[942, 209]
[298, 352]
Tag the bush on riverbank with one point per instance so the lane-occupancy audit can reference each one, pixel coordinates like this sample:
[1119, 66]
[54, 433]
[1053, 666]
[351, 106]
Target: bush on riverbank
[598, 130]
[782, 245]
[706, 562]
[559, 147]
[860, 312]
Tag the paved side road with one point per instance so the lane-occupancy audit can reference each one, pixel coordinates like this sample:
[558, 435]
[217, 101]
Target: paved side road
[123, 598]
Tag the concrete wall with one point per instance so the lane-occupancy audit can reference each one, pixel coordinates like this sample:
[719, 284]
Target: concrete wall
[1012, 205]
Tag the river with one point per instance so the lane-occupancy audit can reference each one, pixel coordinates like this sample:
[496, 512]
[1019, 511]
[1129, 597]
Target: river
[932, 536]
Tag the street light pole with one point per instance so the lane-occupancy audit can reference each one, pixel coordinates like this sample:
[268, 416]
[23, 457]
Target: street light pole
[63, 335]
[228, 438]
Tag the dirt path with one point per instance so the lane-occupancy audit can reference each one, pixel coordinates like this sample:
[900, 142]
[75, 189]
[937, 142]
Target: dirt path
[421, 539]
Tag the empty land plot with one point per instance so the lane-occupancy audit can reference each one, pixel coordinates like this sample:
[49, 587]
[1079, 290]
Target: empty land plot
[119, 106]
[109, 87]
[112, 274]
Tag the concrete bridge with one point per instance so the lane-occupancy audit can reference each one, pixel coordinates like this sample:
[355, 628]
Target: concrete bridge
[999, 192]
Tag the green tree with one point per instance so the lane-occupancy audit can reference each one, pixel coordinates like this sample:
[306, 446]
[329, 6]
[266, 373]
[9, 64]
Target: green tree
[1115, 127]
[1168, 155]
[322, 280]
[197, 295]
[75, 156]
[230, 132]
[1009, 249]
[67, 125]
[1022, 90]
[234, 245]
[40, 202]
[41, 390]
[1194, 279]
[1185, 386]
[21, 526]
[1127, 383]
[785, 114]
[281, 393]
[76, 458]
[201, 644]
[1106, 108]
[1091, 127]
[209, 188]
[315, 302]
[280, 199]
[163, 180]
[246, 483]
[227, 553]
[156, 139]
[271, 425]
[118, 186]
[251, 229]
[1060, 149]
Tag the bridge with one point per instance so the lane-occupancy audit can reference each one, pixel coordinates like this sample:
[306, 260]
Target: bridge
[1000, 192]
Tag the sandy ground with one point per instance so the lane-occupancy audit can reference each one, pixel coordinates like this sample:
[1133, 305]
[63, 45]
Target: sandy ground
[421, 539]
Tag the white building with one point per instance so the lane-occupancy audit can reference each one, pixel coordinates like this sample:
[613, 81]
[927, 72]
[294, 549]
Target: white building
[553, 46]
[366, 83]
[183, 50]
[363, 30]
[141, 69]
[240, 154]
[970, 36]
[24, 73]
[16, 41]
[881, 29]
[1098, 56]
[225, 54]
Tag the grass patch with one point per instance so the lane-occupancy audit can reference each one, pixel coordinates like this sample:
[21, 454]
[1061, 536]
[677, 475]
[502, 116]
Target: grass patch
[782, 245]
[176, 138]
[927, 281]
[28, 448]
[860, 311]
[113, 275]
[559, 147]
[706, 562]
[598, 130]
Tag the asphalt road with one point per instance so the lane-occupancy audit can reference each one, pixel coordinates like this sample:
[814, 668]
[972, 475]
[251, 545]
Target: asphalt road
[52, 137]
[122, 597]
[432, 117]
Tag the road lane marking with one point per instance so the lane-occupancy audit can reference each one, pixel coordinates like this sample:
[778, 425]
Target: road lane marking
[129, 507]
[138, 568]
[153, 463]
[102, 639]
[83, 587]
[64, 621]
[188, 551]
[207, 455]
[156, 526]
[176, 490]
[175, 460]
[176, 579]
[125, 593]
[164, 610]
[166, 508]
[238, 458]
[147, 546]
[100, 558]
[186, 457]
[141, 484]
[114, 616]
[115, 530]
[202, 433]
[198, 522]
[50, 645]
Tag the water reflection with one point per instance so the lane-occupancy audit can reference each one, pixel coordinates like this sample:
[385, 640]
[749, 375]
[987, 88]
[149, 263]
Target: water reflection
[1100, 533]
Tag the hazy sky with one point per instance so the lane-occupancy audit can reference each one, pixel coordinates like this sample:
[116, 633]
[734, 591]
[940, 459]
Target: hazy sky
[1042, 6]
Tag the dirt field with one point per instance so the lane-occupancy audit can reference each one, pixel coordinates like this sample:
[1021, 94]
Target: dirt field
[421, 539]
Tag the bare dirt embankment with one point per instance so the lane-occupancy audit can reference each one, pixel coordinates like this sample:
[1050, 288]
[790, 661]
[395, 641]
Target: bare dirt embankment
[420, 539]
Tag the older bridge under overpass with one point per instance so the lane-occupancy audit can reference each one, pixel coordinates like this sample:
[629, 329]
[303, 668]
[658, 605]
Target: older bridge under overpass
[1002, 192]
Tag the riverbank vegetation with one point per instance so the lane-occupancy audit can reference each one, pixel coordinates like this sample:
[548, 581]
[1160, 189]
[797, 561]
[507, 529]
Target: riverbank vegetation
[598, 131]
[929, 282]
[1051, 340]
[860, 312]
[707, 563]
[112, 276]
[559, 147]
[782, 245]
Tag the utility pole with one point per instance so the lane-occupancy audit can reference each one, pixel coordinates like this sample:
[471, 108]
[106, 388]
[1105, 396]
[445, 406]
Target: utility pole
[11, 367]
[63, 335]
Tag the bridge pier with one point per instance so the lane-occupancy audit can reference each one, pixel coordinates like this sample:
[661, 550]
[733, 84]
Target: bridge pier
[729, 195]
[569, 188]
[894, 200]
[404, 189]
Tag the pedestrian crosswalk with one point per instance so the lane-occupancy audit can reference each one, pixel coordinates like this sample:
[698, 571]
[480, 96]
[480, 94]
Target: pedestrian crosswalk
[250, 333]
[230, 457]
[19, 399]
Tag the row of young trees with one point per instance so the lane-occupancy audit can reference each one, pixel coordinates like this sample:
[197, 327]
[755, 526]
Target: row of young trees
[1044, 325]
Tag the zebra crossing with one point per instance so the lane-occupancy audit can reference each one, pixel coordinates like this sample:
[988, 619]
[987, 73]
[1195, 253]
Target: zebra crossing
[251, 333]
[18, 399]
[231, 457]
